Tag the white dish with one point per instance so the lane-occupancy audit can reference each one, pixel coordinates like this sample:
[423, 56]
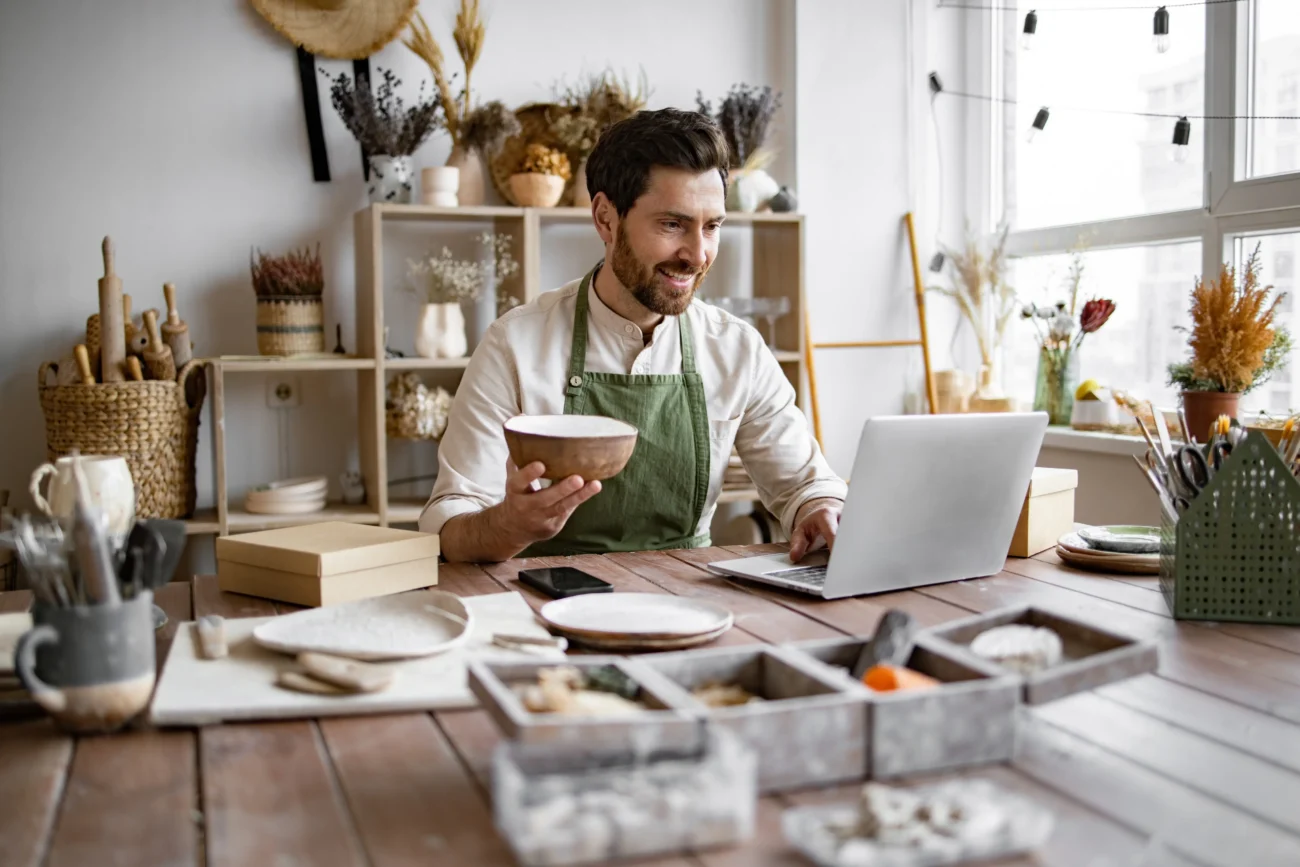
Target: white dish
[631, 644]
[286, 507]
[1076, 544]
[297, 486]
[570, 426]
[1123, 539]
[401, 626]
[619, 616]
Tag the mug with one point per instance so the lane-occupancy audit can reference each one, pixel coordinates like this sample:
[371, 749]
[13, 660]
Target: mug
[111, 489]
[90, 667]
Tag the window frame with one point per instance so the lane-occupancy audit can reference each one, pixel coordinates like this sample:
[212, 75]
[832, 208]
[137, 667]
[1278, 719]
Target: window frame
[1230, 207]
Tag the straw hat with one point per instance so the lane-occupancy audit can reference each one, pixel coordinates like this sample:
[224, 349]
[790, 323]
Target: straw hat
[339, 29]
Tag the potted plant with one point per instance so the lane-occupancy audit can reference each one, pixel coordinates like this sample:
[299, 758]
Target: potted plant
[1236, 345]
[387, 130]
[447, 282]
[540, 178]
[987, 302]
[583, 112]
[745, 114]
[290, 314]
[475, 132]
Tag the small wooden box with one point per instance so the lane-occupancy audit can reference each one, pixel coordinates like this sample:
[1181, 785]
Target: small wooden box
[969, 720]
[1048, 513]
[811, 728]
[1093, 656]
[667, 726]
[326, 563]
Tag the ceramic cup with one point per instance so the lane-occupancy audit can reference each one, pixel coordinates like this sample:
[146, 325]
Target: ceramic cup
[439, 186]
[90, 667]
[111, 490]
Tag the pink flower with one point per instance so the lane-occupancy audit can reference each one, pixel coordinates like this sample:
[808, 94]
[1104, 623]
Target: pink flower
[1095, 313]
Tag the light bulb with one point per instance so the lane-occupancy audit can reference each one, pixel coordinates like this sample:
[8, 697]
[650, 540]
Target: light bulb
[1162, 43]
[1181, 140]
[1031, 135]
[1031, 27]
[1040, 121]
[1179, 153]
[1160, 27]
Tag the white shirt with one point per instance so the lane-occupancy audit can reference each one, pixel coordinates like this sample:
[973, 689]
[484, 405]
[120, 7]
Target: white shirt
[521, 367]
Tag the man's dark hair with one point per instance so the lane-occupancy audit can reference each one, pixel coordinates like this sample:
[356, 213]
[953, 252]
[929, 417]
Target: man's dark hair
[620, 165]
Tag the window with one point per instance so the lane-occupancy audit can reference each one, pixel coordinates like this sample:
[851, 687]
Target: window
[1274, 68]
[1088, 164]
[1277, 254]
[1150, 287]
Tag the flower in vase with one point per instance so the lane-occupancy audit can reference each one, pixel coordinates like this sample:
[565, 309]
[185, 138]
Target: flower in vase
[1095, 313]
[1062, 327]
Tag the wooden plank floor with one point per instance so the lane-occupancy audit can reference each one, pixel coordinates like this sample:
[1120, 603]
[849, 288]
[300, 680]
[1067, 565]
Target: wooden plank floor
[1197, 764]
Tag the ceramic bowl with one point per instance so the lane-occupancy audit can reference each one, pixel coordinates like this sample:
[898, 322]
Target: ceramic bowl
[590, 446]
[1123, 539]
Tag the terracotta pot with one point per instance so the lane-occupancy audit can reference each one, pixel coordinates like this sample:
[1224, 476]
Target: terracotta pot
[1203, 408]
[533, 190]
[473, 188]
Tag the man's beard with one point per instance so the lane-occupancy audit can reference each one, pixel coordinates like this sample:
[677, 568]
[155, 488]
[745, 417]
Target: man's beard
[640, 279]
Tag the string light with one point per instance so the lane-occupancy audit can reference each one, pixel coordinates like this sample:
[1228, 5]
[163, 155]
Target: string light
[1040, 121]
[1182, 138]
[1031, 27]
[1161, 30]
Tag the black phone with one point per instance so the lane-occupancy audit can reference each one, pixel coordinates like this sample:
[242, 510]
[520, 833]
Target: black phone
[563, 581]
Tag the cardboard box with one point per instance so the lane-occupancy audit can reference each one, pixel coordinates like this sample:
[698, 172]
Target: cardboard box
[1048, 513]
[326, 563]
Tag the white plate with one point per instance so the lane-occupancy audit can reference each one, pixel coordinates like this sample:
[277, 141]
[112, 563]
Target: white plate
[614, 616]
[300, 485]
[401, 626]
[286, 507]
[1076, 544]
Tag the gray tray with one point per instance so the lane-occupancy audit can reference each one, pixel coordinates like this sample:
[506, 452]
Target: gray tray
[969, 720]
[1092, 656]
[810, 730]
[666, 726]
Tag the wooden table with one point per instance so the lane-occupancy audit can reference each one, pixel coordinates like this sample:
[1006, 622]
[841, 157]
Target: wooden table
[1198, 764]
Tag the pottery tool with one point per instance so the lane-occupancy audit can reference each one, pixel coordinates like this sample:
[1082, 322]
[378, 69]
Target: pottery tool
[299, 682]
[93, 549]
[112, 329]
[346, 674]
[175, 331]
[1182, 423]
[1162, 431]
[211, 630]
[133, 370]
[158, 357]
[527, 642]
[92, 342]
[138, 343]
[66, 371]
[83, 364]
[128, 327]
[891, 645]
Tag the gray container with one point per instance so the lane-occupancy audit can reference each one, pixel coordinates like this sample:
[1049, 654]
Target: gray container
[811, 728]
[969, 720]
[1093, 656]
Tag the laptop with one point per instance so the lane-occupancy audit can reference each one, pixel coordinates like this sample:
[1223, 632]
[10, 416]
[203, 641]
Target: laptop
[933, 498]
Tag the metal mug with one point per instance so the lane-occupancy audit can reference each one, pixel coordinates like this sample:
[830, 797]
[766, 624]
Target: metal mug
[92, 667]
[110, 485]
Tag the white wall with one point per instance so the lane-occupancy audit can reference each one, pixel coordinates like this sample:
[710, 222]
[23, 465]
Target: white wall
[177, 128]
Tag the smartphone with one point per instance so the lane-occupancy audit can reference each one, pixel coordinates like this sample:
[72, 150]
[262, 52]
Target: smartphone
[563, 581]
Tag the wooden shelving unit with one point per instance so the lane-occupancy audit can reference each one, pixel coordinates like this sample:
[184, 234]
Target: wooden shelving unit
[777, 267]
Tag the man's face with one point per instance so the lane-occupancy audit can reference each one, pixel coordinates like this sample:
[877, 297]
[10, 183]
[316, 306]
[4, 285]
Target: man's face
[666, 243]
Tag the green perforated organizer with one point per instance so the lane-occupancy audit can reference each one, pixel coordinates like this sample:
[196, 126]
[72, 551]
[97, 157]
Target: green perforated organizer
[1235, 553]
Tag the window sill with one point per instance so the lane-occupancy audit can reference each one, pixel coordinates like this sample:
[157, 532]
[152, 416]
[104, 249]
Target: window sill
[1096, 442]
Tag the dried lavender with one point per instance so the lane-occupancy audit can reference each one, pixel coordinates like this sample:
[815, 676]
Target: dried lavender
[298, 272]
[381, 122]
[744, 116]
[486, 128]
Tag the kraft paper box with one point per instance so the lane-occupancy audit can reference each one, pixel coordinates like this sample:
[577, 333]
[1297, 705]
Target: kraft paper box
[1048, 513]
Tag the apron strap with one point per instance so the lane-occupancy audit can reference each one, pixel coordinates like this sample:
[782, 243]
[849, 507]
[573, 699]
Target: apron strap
[578, 348]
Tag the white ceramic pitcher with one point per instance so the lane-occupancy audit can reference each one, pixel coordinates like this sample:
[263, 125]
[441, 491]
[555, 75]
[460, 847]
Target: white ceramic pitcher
[109, 481]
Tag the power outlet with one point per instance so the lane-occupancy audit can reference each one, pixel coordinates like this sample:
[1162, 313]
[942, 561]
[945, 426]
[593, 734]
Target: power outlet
[283, 392]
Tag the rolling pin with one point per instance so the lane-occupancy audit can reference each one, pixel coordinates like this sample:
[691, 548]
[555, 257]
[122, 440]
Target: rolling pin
[92, 341]
[158, 358]
[175, 331]
[83, 364]
[128, 327]
[133, 369]
[112, 329]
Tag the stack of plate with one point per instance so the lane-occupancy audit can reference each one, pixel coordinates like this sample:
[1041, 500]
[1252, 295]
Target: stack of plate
[1128, 549]
[635, 621]
[288, 496]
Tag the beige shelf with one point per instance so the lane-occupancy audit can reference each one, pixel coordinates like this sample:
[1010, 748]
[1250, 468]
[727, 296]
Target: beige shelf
[204, 523]
[429, 212]
[786, 357]
[274, 364]
[738, 495]
[426, 363]
[563, 215]
[405, 510]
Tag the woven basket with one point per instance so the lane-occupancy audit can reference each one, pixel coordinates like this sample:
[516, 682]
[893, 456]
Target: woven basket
[290, 324]
[153, 424]
[535, 127]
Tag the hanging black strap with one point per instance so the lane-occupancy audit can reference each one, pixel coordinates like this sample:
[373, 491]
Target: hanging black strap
[361, 70]
[320, 161]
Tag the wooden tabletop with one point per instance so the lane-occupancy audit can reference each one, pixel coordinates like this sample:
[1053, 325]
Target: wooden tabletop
[1198, 764]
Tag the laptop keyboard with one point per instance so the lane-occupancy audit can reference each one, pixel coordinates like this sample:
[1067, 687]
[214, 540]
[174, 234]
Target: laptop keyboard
[811, 576]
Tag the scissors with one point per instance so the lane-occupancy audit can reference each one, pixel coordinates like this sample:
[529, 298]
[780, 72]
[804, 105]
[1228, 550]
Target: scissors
[1195, 469]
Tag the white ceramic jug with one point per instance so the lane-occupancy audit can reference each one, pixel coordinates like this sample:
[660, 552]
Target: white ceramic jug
[109, 481]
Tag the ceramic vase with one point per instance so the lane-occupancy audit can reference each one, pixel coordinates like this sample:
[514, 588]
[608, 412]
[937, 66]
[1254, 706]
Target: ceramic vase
[472, 189]
[1058, 377]
[1203, 408]
[440, 186]
[441, 331]
[391, 180]
[581, 198]
[749, 190]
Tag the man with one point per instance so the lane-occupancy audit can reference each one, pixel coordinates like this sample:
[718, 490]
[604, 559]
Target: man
[629, 340]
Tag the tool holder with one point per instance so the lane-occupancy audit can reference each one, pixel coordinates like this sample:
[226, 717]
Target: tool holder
[1234, 554]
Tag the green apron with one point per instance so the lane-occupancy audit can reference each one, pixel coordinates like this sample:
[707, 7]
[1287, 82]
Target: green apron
[658, 498]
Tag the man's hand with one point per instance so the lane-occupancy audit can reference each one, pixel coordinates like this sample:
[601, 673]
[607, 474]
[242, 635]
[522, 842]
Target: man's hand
[818, 521]
[525, 516]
